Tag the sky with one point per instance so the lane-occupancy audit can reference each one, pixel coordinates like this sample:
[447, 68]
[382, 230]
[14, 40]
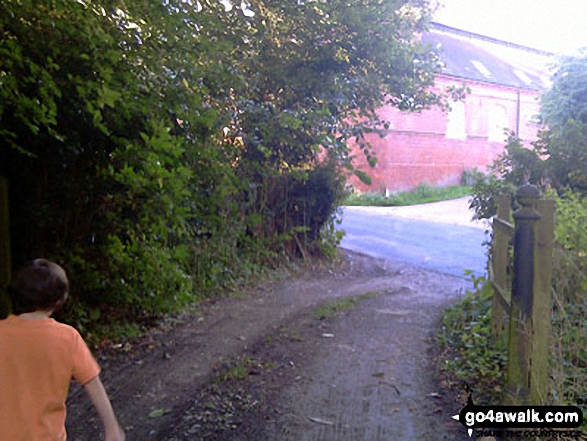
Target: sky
[558, 26]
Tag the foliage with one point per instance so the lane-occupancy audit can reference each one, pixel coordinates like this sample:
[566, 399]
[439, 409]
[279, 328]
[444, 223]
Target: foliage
[571, 217]
[569, 362]
[555, 162]
[470, 176]
[486, 192]
[166, 149]
[420, 195]
[469, 349]
[567, 98]
[564, 113]
[517, 165]
[331, 237]
[566, 151]
[558, 158]
[470, 353]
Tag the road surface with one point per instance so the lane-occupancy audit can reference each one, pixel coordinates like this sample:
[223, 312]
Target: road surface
[438, 236]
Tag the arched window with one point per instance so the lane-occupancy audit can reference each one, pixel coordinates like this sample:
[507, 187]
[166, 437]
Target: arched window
[455, 123]
[497, 123]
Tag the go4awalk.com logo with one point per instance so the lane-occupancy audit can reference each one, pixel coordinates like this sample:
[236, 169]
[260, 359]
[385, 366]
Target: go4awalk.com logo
[520, 421]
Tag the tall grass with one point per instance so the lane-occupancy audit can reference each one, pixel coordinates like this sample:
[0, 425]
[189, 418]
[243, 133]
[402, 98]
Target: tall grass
[421, 195]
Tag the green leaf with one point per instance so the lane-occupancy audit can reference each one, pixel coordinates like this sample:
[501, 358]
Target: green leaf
[108, 97]
[364, 177]
[95, 314]
[157, 413]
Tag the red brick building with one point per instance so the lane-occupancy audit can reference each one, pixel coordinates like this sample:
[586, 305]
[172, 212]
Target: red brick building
[434, 147]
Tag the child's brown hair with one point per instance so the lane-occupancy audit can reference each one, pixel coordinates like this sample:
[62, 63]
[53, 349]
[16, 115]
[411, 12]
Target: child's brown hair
[38, 285]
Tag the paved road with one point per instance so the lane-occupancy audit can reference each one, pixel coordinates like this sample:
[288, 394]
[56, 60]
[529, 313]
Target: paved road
[449, 248]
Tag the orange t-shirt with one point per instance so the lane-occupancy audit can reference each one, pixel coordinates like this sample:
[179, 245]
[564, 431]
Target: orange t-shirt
[38, 359]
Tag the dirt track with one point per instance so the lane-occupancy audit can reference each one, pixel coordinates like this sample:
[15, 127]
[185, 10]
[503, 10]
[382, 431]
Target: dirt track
[369, 378]
[363, 374]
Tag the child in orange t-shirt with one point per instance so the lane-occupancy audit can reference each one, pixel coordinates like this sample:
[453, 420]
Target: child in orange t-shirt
[38, 358]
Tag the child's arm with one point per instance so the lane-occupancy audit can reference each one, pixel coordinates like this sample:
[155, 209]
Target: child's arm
[98, 397]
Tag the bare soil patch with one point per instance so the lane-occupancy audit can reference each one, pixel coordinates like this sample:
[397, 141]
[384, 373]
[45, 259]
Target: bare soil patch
[265, 367]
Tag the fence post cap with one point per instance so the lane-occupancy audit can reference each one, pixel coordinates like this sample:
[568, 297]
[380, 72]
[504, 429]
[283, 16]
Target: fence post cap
[527, 191]
[527, 196]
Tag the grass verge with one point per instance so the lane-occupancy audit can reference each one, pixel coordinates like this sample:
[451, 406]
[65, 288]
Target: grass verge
[423, 194]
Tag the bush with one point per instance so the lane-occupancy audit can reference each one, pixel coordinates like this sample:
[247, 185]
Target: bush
[516, 166]
[571, 218]
[314, 203]
[569, 326]
[470, 176]
[486, 192]
[470, 354]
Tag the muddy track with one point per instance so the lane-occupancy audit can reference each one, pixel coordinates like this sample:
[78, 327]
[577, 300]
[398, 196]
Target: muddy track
[363, 374]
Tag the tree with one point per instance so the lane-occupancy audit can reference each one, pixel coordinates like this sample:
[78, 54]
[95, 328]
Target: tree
[567, 98]
[315, 77]
[558, 158]
[321, 69]
[165, 147]
[564, 113]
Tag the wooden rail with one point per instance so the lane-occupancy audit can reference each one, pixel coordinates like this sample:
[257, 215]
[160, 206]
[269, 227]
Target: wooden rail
[500, 265]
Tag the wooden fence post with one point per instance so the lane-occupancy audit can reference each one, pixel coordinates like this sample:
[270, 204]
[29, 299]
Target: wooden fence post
[541, 313]
[5, 257]
[520, 336]
[525, 308]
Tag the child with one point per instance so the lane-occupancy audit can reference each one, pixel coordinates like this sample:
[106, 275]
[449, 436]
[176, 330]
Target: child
[38, 358]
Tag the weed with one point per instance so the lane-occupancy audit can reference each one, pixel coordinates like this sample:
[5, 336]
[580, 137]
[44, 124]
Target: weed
[290, 335]
[238, 372]
[240, 368]
[470, 354]
[332, 308]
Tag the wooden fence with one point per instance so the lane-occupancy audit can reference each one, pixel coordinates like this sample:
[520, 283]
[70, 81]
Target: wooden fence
[5, 266]
[520, 273]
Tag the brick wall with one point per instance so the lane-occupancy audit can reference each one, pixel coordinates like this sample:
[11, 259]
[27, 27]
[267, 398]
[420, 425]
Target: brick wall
[417, 148]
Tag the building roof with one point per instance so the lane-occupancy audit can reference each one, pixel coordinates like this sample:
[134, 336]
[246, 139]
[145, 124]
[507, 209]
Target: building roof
[476, 57]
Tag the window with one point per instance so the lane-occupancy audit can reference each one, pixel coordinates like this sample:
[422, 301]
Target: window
[522, 76]
[455, 123]
[481, 68]
[497, 123]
